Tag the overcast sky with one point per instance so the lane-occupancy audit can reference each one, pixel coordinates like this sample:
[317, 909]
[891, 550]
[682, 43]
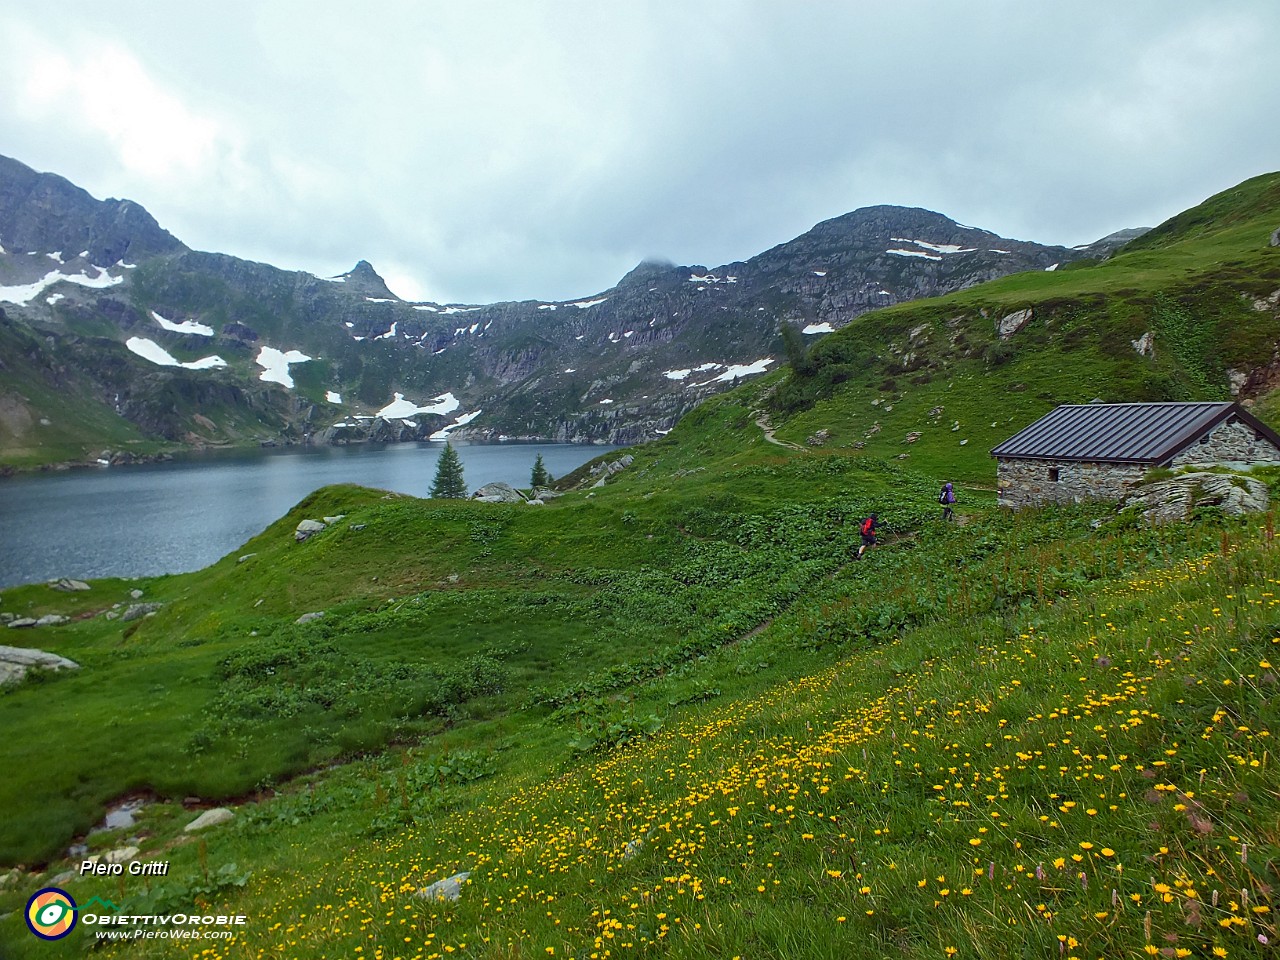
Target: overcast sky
[477, 151]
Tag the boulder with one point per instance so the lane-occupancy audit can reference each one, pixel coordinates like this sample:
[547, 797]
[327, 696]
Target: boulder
[535, 502]
[308, 617]
[498, 493]
[122, 855]
[136, 611]
[15, 661]
[22, 622]
[1173, 499]
[68, 586]
[135, 594]
[307, 528]
[210, 818]
[1145, 344]
[448, 889]
[52, 620]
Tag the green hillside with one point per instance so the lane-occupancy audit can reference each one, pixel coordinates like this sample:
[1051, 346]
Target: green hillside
[672, 717]
[1203, 285]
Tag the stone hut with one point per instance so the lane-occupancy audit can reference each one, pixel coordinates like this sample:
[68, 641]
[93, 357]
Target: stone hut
[1099, 451]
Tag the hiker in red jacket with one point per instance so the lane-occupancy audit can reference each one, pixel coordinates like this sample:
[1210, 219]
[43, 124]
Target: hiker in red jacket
[868, 531]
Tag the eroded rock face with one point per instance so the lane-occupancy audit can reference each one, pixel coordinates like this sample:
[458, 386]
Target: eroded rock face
[1174, 499]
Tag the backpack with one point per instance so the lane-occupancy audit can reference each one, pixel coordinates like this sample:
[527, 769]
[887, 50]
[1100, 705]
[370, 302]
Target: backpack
[942, 497]
[868, 527]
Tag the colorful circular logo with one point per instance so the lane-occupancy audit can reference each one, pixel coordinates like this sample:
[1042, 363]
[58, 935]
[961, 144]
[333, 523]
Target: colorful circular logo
[51, 913]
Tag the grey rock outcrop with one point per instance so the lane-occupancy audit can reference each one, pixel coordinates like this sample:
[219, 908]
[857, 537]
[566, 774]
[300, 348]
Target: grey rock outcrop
[68, 585]
[16, 661]
[306, 529]
[1011, 323]
[449, 888]
[136, 611]
[606, 470]
[210, 818]
[1174, 499]
[1145, 344]
[308, 617]
[498, 493]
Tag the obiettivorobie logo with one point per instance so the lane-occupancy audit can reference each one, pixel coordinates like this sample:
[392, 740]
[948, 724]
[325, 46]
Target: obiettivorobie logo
[51, 913]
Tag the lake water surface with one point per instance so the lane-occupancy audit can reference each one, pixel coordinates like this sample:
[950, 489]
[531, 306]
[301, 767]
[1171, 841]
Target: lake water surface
[181, 516]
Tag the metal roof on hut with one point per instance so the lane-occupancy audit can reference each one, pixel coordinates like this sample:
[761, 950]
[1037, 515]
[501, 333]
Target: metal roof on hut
[1139, 433]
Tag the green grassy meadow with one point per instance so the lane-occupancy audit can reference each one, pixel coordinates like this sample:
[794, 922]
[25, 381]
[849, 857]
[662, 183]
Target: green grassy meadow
[673, 717]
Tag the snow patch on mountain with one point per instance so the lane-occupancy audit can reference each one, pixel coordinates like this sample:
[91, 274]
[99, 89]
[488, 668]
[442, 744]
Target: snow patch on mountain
[915, 253]
[739, 370]
[275, 365]
[935, 247]
[462, 421]
[152, 351]
[26, 292]
[400, 408]
[184, 326]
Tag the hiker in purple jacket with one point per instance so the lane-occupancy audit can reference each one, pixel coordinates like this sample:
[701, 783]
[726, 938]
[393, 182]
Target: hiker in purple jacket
[947, 497]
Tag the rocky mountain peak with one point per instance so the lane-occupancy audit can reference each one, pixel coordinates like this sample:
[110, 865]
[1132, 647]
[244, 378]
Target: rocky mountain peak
[646, 271]
[363, 279]
[45, 213]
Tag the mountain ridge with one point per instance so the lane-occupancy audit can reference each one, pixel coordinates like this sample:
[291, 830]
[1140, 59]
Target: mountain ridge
[617, 366]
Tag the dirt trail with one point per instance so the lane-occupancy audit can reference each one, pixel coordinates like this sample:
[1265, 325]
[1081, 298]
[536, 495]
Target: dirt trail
[762, 421]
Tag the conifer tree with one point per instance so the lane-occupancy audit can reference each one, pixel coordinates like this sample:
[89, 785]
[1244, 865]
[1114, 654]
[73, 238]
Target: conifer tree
[540, 476]
[449, 482]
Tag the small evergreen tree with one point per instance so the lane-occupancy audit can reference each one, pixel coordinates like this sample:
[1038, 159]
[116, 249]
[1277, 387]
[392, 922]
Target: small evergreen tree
[540, 476]
[449, 481]
[797, 351]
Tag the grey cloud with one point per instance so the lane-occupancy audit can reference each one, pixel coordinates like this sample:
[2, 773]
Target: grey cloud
[516, 151]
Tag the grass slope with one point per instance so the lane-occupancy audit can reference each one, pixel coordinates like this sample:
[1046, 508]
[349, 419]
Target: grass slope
[671, 717]
[1201, 284]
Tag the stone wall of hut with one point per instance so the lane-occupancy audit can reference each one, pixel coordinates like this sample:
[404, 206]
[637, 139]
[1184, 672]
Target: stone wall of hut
[1027, 483]
[1229, 442]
